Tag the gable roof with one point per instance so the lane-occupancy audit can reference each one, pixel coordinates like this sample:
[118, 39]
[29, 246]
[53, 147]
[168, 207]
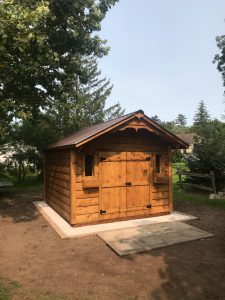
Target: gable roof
[187, 137]
[86, 134]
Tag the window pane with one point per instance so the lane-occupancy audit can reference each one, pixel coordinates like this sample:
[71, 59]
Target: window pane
[89, 165]
[158, 163]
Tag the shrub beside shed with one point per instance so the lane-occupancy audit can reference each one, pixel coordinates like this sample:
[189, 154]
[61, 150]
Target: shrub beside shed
[114, 170]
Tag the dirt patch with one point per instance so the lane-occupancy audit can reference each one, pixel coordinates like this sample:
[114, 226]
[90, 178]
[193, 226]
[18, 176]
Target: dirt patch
[85, 268]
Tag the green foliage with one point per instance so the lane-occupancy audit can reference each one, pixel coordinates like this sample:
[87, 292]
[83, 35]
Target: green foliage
[179, 125]
[201, 116]
[156, 119]
[181, 120]
[42, 44]
[177, 156]
[209, 151]
[220, 58]
[50, 84]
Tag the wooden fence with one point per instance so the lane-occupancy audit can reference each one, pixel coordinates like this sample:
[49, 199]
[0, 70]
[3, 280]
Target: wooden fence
[210, 176]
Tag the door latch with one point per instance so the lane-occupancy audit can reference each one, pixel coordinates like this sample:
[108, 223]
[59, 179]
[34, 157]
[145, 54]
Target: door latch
[128, 183]
[102, 212]
[149, 206]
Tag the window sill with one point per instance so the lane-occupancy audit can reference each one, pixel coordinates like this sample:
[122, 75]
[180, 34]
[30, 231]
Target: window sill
[90, 183]
[161, 179]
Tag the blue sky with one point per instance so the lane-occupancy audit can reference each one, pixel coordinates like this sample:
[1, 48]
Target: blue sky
[161, 56]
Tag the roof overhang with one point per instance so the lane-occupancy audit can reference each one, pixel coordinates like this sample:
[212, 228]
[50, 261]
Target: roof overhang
[123, 123]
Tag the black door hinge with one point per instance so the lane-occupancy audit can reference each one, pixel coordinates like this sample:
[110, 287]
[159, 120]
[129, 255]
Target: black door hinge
[148, 158]
[128, 183]
[102, 158]
[149, 206]
[102, 212]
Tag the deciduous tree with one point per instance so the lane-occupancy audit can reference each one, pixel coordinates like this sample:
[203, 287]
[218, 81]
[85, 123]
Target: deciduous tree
[42, 44]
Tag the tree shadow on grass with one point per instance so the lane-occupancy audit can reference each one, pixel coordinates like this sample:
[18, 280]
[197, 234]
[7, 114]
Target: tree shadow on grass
[18, 204]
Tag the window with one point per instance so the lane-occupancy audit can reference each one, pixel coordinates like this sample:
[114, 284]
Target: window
[158, 162]
[89, 165]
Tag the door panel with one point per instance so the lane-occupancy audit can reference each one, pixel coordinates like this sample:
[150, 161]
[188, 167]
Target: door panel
[125, 184]
[113, 174]
[138, 172]
[138, 197]
[113, 200]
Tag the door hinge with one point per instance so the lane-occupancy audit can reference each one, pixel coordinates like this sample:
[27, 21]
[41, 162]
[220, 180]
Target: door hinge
[149, 206]
[102, 158]
[148, 158]
[102, 212]
[128, 183]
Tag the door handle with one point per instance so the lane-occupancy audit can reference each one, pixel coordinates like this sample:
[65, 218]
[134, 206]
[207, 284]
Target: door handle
[128, 183]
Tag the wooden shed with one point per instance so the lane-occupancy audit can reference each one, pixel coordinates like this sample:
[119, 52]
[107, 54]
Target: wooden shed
[118, 169]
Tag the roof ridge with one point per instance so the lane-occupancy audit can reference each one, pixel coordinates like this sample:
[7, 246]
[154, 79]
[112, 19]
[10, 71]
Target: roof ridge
[83, 128]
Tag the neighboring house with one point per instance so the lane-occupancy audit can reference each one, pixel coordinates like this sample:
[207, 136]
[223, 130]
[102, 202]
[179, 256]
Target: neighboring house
[117, 169]
[189, 139]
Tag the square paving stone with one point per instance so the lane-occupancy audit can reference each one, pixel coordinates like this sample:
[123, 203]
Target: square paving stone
[147, 237]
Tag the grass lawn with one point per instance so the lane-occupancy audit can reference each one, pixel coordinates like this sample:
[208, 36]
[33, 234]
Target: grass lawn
[12, 290]
[194, 196]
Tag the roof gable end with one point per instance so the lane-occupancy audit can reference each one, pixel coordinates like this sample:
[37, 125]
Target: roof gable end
[137, 120]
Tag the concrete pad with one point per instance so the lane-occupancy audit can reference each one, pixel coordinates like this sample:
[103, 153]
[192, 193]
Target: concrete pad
[65, 230]
[126, 247]
[151, 237]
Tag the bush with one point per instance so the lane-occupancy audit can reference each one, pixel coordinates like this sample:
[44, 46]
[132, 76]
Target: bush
[209, 151]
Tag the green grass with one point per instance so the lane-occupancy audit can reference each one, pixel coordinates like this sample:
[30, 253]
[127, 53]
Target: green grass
[11, 289]
[194, 196]
[7, 289]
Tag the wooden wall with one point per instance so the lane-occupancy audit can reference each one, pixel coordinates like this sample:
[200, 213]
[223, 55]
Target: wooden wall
[57, 181]
[88, 199]
[64, 176]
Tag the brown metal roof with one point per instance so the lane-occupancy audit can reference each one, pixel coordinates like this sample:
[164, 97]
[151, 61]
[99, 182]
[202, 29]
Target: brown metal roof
[87, 132]
[90, 132]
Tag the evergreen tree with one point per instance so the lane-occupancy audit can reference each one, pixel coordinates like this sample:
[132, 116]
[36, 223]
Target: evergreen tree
[181, 120]
[209, 152]
[202, 115]
[84, 104]
[156, 119]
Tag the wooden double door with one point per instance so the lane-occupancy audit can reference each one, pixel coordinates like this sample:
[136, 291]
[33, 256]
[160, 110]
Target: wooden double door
[125, 186]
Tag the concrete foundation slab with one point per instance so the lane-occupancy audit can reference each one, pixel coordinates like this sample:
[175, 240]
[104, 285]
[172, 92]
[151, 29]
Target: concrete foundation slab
[65, 230]
[150, 237]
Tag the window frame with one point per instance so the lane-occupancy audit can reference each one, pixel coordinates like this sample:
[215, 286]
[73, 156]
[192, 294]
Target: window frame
[161, 166]
[94, 165]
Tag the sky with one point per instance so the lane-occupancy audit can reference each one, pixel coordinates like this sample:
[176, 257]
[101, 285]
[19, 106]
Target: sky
[161, 56]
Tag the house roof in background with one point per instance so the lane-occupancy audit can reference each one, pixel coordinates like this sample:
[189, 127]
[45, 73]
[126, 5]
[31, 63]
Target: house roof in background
[187, 137]
[85, 134]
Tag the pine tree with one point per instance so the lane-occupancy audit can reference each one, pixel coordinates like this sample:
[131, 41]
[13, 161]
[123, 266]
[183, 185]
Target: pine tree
[156, 119]
[84, 104]
[202, 115]
[181, 120]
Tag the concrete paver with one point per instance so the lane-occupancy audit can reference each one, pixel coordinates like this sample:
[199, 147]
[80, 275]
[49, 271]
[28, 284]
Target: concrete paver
[130, 241]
